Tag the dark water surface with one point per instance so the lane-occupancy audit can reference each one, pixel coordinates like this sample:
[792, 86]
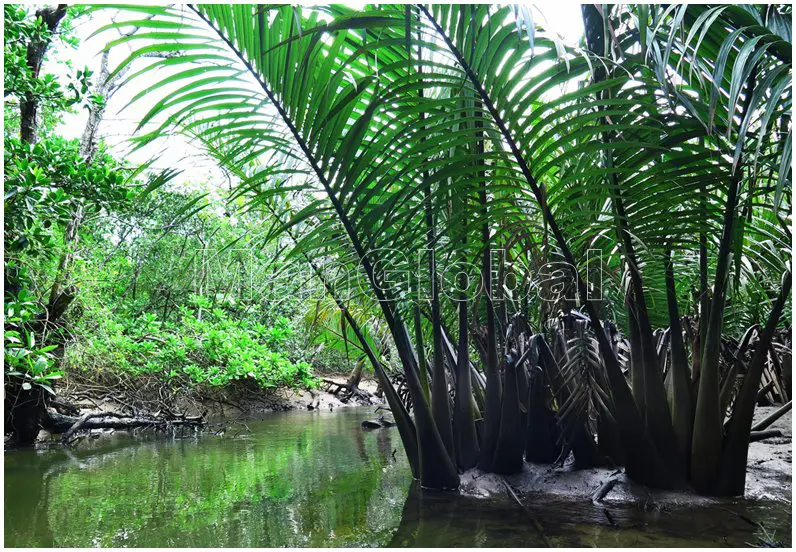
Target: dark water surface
[314, 479]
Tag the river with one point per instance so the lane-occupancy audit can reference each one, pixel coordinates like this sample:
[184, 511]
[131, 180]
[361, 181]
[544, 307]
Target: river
[313, 479]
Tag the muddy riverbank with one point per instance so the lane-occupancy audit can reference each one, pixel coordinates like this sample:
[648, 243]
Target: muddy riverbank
[769, 476]
[241, 402]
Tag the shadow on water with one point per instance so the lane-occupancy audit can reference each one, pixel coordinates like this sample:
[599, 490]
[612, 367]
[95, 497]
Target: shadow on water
[301, 479]
[431, 519]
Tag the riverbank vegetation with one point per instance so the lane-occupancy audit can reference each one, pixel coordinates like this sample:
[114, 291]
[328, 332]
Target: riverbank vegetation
[115, 275]
[563, 250]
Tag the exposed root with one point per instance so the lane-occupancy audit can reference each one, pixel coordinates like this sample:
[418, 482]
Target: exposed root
[344, 391]
[70, 425]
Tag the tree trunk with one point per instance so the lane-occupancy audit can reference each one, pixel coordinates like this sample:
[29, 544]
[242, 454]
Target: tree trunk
[29, 106]
[356, 374]
[88, 147]
[24, 410]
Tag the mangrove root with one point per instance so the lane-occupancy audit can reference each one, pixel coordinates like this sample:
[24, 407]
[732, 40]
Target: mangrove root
[345, 390]
[69, 425]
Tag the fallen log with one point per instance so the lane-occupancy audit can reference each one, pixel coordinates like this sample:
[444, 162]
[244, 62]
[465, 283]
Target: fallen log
[348, 391]
[773, 417]
[604, 489]
[66, 437]
[69, 425]
[760, 435]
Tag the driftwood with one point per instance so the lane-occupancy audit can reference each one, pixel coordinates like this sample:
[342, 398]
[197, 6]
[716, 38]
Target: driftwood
[773, 417]
[760, 435]
[604, 489]
[347, 391]
[69, 425]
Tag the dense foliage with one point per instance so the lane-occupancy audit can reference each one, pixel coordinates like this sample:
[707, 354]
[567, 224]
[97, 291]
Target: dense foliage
[112, 269]
[213, 349]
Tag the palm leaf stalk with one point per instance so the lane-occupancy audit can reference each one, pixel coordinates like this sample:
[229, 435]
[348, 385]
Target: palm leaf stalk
[493, 388]
[647, 380]
[680, 395]
[707, 440]
[732, 467]
[465, 435]
[440, 409]
[643, 463]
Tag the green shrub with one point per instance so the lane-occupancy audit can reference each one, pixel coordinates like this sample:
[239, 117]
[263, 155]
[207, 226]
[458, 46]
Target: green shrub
[204, 346]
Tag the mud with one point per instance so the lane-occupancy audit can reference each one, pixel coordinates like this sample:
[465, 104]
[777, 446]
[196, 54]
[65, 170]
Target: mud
[769, 478]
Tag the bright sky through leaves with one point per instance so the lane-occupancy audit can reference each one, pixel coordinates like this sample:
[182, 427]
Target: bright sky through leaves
[199, 170]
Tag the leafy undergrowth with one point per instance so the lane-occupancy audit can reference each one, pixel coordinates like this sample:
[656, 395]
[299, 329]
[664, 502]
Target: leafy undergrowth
[202, 345]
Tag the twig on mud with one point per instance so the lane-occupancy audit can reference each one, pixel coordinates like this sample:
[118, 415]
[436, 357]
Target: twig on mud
[604, 489]
[610, 518]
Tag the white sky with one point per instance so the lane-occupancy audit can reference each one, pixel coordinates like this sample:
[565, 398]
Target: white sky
[200, 171]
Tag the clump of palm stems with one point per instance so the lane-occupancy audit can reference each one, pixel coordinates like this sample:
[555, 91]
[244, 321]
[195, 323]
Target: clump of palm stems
[398, 139]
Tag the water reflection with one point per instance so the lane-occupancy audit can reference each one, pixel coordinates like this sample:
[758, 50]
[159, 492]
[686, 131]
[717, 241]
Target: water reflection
[315, 480]
[435, 519]
[297, 480]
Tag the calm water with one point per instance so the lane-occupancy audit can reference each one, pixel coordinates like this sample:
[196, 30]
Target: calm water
[312, 479]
